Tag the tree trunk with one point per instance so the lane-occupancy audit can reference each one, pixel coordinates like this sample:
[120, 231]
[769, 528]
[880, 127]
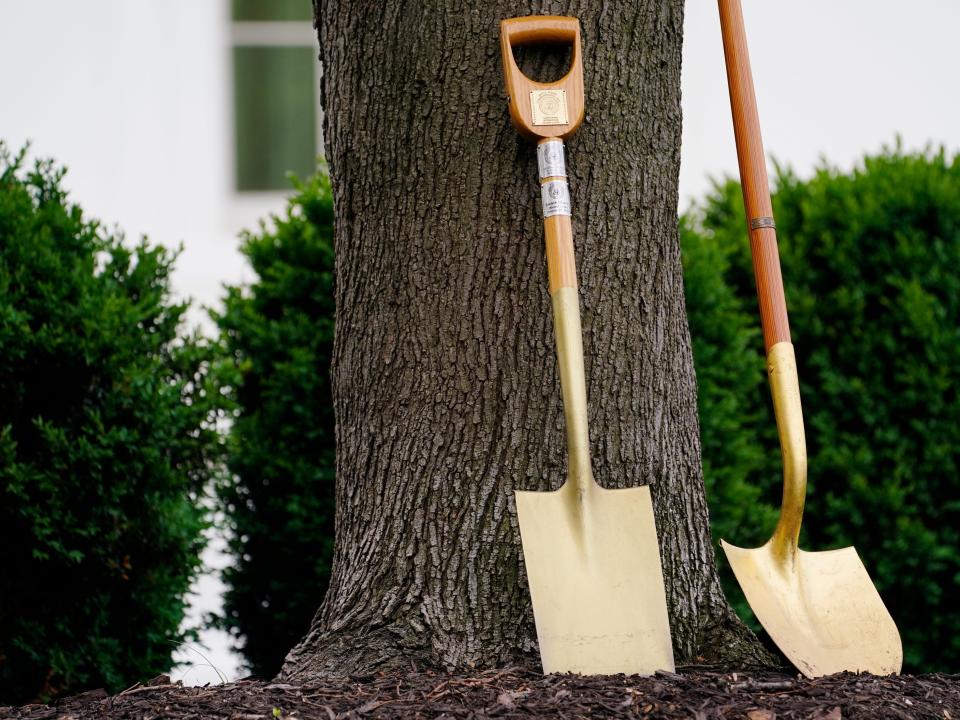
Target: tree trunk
[444, 375]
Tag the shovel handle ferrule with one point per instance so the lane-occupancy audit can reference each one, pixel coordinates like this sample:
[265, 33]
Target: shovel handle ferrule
[573, 385]
[753, 176]
[785, 389]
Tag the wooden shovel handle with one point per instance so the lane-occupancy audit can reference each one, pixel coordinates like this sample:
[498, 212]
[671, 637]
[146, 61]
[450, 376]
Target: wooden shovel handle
[561, 263]
[753, 176]
[534, 30]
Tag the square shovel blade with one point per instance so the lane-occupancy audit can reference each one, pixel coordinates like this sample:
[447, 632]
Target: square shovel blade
[820, 608]
[593, 565]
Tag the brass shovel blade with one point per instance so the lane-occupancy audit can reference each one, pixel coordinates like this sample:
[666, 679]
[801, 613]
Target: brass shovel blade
[821, 609]
[593, 564]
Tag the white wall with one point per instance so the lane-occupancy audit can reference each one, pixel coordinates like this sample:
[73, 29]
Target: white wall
[134, 97]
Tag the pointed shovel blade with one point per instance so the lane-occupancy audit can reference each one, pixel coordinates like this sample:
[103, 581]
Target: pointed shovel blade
[593, 565]
[822, 610]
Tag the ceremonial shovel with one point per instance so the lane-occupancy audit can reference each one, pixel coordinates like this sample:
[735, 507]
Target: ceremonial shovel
[591, 554]
[820, 608]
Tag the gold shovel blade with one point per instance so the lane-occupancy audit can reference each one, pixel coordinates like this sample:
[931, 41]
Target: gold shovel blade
[593, 565]
[820, 608]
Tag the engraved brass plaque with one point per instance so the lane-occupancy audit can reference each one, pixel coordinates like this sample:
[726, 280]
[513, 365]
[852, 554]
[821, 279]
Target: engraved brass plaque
[549, 107]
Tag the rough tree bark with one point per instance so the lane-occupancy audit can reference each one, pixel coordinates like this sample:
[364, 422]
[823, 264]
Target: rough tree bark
[444, 376]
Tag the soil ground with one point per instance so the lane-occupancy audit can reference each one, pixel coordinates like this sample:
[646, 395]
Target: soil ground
[695, 692]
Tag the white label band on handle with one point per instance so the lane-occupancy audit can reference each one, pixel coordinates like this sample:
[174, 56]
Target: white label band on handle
[550, 159]
[555, 198]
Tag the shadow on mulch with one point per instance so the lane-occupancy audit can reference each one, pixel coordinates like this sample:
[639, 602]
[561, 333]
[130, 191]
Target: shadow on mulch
[696, 692]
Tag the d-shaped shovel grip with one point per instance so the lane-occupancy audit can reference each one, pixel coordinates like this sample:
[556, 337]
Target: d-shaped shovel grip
[543, 110]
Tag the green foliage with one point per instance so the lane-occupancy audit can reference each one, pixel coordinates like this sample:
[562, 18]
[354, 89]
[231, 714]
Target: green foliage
[871, 264]
[279, 337]
[730, 382]
[105, 445]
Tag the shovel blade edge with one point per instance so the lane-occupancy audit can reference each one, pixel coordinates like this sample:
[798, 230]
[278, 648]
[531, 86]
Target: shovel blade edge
[593, 566]
[823, 612]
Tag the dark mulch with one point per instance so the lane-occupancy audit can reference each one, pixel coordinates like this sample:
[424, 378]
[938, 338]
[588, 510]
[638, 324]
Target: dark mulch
[698, 693]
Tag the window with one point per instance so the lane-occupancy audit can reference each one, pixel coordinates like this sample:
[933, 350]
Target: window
[276, 78]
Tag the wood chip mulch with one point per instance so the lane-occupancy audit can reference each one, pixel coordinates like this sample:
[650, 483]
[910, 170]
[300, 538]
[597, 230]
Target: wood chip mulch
[695, 692]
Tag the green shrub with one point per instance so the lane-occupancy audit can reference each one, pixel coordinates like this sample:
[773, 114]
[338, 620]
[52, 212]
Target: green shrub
[730, 383]
[871, 264]
[278, 335]
[105, 447]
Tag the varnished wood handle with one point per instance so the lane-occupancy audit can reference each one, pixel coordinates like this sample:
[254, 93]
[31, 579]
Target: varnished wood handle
[753, 176]
[561, 262]
[522, 91]
[535, 29]
[555, 201]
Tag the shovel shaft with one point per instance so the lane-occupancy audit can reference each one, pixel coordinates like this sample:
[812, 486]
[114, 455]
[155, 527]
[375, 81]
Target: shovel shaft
[753, 176]
[781, 365]
[548, 113]
[562, 274]
[561, 266]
